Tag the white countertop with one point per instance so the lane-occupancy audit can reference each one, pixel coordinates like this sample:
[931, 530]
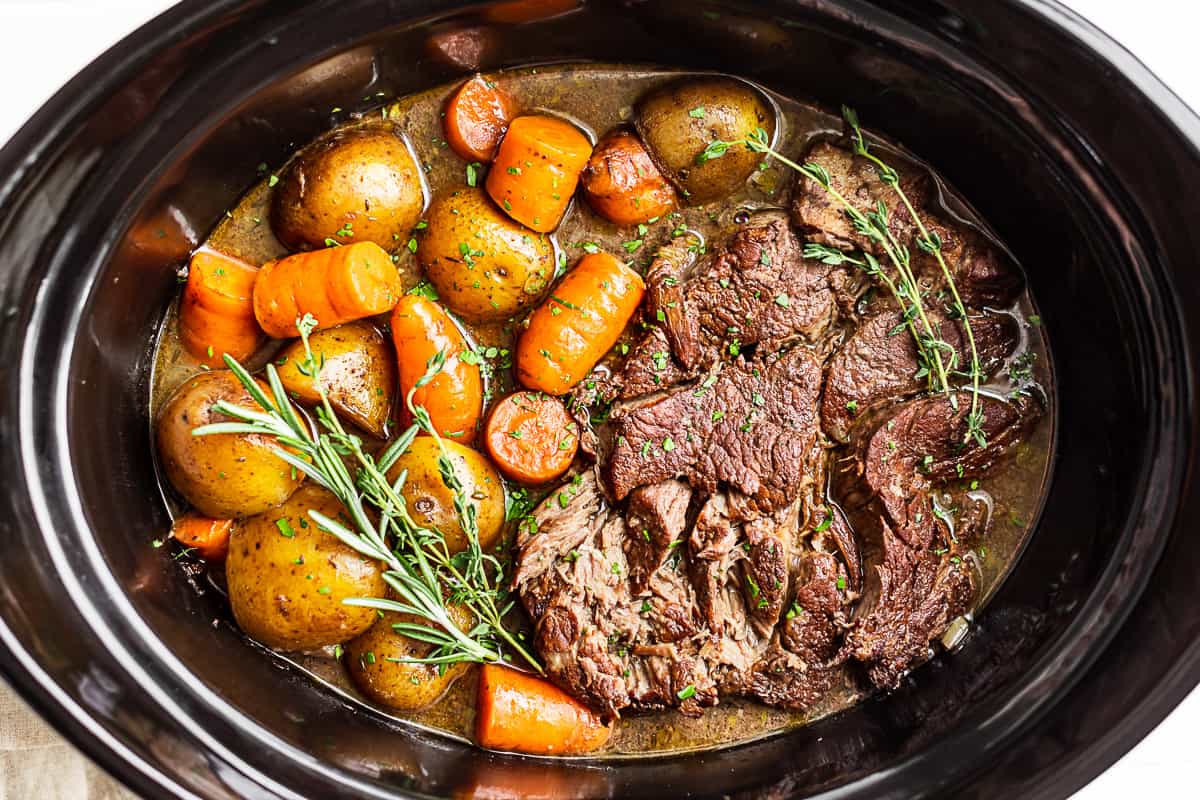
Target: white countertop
[43, 43]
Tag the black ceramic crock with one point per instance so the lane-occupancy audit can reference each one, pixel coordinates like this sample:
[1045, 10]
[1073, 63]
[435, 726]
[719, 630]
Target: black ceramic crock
[1085, 164]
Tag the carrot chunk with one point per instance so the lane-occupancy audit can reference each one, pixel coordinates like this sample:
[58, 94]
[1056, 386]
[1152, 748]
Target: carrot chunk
[578, 323]
[216, 314]
[537, 169]
[207, 536]
[335, 285]
[524, 714]
[454, 397]
[531, 437]
[623, 184]
[476, 117]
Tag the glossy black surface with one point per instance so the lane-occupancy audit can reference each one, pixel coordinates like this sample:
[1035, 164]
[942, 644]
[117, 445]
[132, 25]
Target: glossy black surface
[1082, 161]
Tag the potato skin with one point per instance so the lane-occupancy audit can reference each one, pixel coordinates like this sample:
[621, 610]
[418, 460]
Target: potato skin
[405, 687]
[430, 501]
[287, 591]
[225, 475]
[732, 111]
[358, 373]
[361, 179]
[506, 269]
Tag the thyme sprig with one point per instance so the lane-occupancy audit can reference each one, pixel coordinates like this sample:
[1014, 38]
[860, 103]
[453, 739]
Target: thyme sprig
[931, 243]
[423, 573]
[938, 357]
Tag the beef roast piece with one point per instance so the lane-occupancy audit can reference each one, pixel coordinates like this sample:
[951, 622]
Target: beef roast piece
[757, 291]
[920, 581]
[924, 442]
[879, 362]
[751, 426]
[658, 517]
[665, 305]
[911, 599]
[605, 645]
[983, 273]
[623, 622]
[648, 368]
[804, 660]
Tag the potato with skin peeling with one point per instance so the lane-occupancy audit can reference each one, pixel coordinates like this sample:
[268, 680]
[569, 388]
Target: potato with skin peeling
[224, 475]
[358, 373]
[287, 578]
[359, 184]
[484, 265]
[376, 662]
[679, 120]
[431, 502]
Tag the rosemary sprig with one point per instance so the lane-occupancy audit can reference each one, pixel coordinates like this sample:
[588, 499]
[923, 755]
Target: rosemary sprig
[906, 291]
[420, 568]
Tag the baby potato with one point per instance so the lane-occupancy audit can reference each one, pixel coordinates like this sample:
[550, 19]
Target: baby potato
[484, 265]
[358, 371]
[679, 120]
[430, 501]
[375, 661]
[227, 474]
[287, 578]
[355, 185]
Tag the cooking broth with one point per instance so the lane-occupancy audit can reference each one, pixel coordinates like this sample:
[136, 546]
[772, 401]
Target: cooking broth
[597, 98]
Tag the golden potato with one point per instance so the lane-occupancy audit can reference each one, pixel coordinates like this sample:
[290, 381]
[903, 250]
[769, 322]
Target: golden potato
[225, 475]
[484, 265]
[358, 371]
[287, 578]
[375, 661]
[430, 501]
[354, 185]
[679, 120]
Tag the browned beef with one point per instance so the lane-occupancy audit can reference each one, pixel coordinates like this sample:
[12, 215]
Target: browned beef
[658, 516]
[758, 291]
[925, 442]
[751, 426]
[911, 599]
[983, 274]
[804, 660]
[648, 368]
[879, 362]
[701, 623]
[607, 646]
[921, 581]
[666, 308]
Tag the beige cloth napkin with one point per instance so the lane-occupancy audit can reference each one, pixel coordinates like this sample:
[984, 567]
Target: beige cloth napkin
[38, 764]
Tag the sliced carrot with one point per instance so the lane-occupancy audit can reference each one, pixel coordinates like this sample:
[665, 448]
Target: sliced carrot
[531, 437]
[622, 183]
[216, 314]
[207, 536]
[537, 169]
[578, 323]
[454, 397]
[524, 714]
[518, 11]
[476, 117]
[334, 284]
